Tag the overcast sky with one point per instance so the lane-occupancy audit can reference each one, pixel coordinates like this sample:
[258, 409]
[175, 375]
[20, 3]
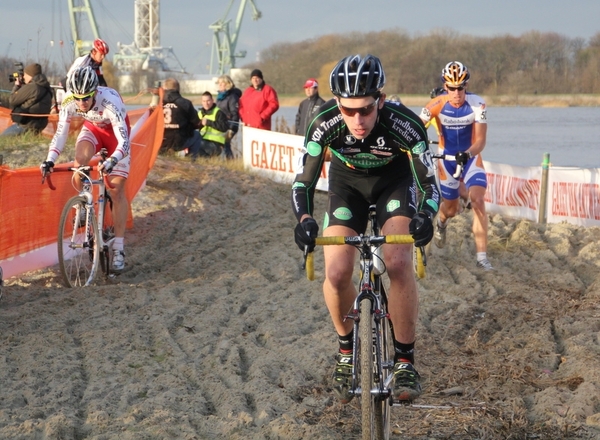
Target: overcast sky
[28, 27]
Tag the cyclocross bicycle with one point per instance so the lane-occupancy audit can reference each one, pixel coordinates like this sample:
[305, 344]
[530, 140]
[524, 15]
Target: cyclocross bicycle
[84, 236]
[373, 344]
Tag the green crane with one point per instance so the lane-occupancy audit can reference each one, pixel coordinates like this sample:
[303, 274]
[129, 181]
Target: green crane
[78, 11]
[224, 43]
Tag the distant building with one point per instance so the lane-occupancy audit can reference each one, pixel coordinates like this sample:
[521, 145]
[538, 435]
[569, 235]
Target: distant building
[193, 84]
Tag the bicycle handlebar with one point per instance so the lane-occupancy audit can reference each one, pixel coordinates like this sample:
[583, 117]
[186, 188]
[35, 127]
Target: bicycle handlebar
[450, 157]
[48, 177]
[357, 240]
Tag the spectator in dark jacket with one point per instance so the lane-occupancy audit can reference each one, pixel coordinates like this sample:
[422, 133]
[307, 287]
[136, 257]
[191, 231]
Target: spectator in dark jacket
[308, 108]
[181, 121]
[258, 102]
[228, 100]
[31, 96]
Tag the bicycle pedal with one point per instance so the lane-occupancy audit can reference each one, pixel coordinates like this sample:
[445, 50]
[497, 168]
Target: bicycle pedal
[398, 402]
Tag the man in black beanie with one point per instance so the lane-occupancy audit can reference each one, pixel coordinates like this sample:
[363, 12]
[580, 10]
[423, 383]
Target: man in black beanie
[258, 102]
[33, 97]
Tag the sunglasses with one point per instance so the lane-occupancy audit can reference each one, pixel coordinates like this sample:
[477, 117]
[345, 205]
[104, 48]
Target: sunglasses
[454, 89]
[84, 98]
[363, 111]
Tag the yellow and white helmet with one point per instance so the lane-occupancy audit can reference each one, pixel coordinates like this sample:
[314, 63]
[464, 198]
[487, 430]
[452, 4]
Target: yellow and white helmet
[455, 74]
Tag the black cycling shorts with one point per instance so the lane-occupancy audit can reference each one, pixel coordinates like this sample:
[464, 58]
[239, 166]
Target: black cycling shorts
[352, 191]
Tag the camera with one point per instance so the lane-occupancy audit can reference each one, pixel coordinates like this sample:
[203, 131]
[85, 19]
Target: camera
[18, 75]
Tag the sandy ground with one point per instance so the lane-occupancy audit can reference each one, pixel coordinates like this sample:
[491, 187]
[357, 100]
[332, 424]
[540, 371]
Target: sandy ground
[213, 332]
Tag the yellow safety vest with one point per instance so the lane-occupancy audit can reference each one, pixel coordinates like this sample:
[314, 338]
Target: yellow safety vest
[210, 133]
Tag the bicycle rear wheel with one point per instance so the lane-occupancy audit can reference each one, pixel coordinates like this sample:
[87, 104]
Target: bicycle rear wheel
[78, 250]
[367, 371]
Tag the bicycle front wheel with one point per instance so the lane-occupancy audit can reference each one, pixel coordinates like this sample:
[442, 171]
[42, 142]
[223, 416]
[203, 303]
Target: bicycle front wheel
[383, 405]
[367, 371]
[78, 251]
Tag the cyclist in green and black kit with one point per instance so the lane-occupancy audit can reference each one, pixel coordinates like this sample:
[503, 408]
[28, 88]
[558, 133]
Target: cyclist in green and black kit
[380, 156]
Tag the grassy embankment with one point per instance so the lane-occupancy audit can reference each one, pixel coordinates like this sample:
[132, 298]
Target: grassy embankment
[31, 150]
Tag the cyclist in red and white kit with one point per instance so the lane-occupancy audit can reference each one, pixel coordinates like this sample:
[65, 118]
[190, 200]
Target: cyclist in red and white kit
[461, 119]
[106, 125]
[93, 59]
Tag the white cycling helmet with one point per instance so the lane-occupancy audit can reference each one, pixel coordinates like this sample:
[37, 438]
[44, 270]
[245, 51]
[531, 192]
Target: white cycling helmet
[83, 81]
[455, 74]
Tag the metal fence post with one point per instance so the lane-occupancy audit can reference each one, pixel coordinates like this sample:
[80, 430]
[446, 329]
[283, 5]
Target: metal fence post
[544, 189]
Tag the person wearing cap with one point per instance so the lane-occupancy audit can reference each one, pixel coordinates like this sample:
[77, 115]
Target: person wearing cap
[32, 96]
[258, 102]
[309, 106]
[94, 60]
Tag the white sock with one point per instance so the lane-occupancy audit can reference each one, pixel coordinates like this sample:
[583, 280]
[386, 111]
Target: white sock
[481, 256]
[442, 224]
[118, 244]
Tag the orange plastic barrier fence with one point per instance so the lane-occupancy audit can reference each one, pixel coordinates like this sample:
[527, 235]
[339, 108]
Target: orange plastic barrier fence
[76, 123]
[30, 211]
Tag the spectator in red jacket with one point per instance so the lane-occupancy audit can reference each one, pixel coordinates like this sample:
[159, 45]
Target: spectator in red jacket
[258, 102]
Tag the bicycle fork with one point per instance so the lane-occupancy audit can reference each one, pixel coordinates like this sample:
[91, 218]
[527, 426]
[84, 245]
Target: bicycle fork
[382, 389]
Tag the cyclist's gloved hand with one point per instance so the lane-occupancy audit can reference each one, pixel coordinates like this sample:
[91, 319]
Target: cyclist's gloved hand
[46, 167]
[107, 165]
[462, 157]
[421, 228]
[305, 234]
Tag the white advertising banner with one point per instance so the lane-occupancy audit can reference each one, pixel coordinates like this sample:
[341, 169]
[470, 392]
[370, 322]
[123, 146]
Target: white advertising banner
[574, 196]
[573, 193]
[513, 191]
[277, 156]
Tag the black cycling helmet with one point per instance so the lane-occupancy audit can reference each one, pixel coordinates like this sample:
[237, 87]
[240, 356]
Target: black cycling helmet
[354, 77]
[83, 81]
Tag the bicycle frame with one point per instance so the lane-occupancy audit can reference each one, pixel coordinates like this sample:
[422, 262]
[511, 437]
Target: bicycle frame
[75, 239]
[87, 192]
[372, 356]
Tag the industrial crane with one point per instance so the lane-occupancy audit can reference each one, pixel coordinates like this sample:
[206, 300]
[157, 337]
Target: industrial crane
[224, 42]
[144, 53]
[78, 10]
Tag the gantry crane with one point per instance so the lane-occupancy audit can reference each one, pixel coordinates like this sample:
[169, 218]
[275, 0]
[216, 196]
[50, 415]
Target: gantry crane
[79, 10]
[144, 53]
[224, 43]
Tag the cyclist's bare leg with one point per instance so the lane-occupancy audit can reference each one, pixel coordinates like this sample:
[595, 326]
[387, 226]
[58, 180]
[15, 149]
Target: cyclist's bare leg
[338, 288]
[448, 209]
[480, 224]
[403, 303]
[84, 151]
[120, 204]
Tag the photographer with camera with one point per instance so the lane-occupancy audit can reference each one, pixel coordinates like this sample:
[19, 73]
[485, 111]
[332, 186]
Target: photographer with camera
[31, 95]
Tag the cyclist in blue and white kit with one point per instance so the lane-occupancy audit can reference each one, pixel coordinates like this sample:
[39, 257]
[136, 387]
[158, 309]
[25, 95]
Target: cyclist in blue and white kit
[462, 123]
[379, 155]
[106, 125]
